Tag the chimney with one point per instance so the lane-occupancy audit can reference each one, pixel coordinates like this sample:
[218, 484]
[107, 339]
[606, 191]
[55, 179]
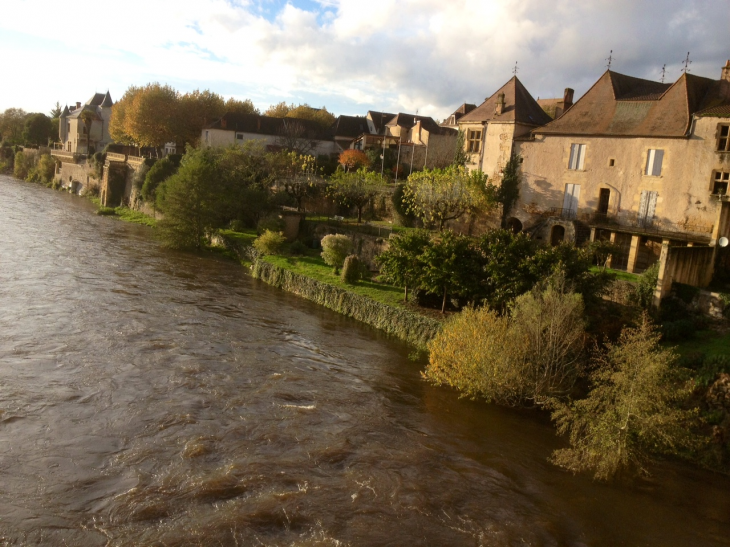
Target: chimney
[78, 105]
[567, 98]
[500, 104]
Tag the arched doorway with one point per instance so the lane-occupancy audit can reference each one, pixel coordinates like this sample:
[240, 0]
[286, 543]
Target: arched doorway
[514, 225]
[557, 235]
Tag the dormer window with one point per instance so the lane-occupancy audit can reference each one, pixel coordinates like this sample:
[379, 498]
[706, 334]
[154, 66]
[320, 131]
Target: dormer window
[723, 137]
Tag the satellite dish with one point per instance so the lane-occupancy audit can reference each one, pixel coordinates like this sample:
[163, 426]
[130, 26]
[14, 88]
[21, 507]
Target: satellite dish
[723, 241]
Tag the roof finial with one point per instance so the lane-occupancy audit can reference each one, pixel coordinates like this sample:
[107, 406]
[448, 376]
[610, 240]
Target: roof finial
[687, 62]
[664, 71]
[514, 70]
[609, 59]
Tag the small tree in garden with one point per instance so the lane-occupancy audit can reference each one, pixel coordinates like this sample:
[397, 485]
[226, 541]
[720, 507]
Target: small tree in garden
[352, 160]
[402, 263]
[335, 248]
[299, 177]
[355, 188]
[352, 270]
[437, 196]
[634, 408]
[508, 191]
[270, 243]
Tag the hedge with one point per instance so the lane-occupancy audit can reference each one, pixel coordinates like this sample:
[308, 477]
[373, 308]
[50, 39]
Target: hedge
[411, 327]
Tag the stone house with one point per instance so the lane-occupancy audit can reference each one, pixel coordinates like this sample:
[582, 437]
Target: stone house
[453, 120]
[304, 136]
[642, 163]
[85, 129]
[491, 128]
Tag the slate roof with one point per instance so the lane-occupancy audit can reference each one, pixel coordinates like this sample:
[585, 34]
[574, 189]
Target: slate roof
[620, 105]
[107, 100]
[350, 126]
[88, 108]
[519, 107]
[380, 119]
[409, 120]
[267, 125]
[96, 100]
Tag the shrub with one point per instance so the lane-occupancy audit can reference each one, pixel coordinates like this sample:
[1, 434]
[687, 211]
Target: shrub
[335, 248]
[632, 410]
[526, 358]
[45, 170]
[298, 248]
[22, 166]
[106, 211]
[269, 243]
[156, 175]
[644, 295]
[272, 223]
[711, 367]
[351, 270]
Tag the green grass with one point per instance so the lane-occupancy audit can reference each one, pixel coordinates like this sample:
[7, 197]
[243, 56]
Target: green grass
[620, 274]
[315, 268]
[128, 215]
[241, 238]
[709, 342]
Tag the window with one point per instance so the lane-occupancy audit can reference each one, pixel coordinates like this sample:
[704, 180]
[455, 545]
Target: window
[723, 138]
[604, 196]
[474, 141]
[647, 207]
[239, 136]
[720, 180]
[570, 201]
[577, 157]
[654, 161]
[611, 162]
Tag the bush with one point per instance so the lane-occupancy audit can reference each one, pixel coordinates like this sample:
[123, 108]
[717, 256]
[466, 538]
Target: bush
[633, 409]
[106, 211]
[351, 270]
[646, 286]
[269, 243]
[156, 175]
[526, 358]
[23, 165]
[272, 223]
[335, 248]
[711, 367]
[298, 248]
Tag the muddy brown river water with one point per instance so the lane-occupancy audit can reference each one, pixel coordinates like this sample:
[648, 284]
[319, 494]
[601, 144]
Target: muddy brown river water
[149, 397]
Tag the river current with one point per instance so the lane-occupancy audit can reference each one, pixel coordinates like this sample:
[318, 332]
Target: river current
[149, 397]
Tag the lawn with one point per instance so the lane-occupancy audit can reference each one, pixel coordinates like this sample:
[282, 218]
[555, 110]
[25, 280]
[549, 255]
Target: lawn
[243, 239]
[314, 267]
[620, 274]
[709, 342]
[128, 215]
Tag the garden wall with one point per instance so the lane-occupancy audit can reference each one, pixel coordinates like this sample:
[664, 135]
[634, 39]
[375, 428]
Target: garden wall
[411, 327]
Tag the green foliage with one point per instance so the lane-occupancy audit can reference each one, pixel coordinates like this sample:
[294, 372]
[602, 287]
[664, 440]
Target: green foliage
[437, 196]
[272, 222]
[526, 358]
[352, 270]
[411, 327]
[711, 367]
[300, 177]
[270, 243]
[460, 156]
[401, 263]
[602, 251]
[23, 165]
[12, 122]
[509, 190]
[156, 175]
[96, 162]
[298, 248]
[45, 169]
[38, 129]
[106, 211]
[633, 409]
[335, 248]
[355, 188]
[646, 286]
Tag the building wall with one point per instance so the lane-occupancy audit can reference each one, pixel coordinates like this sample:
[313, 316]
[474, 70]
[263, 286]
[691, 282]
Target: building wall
[683, 187]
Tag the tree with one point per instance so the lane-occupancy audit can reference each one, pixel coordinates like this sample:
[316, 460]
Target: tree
[235, 106]
[509, 190]
[352, 160]
[299, 177]
[88, 117]
[460, 156]
[402, 263]
[191, 201]
[279, 110]
[440, 195]
[194, 111]
[355, 188]
[38, 129]
[632, 410]
[11, 125]
[450, 266]
[151, 118]
[516, 359]
[294, 137]
[157, 174]
[320, 116]
[121, 114]
[335, 248]
[56, 111]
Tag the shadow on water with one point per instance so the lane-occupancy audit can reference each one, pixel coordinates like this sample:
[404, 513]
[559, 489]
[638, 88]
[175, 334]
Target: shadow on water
[149, 397]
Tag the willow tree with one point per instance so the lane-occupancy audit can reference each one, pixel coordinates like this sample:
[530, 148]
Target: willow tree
[355, 188]
[437, 196]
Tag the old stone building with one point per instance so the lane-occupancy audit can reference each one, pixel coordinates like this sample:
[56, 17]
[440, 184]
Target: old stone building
[85, 129]
[643, 163]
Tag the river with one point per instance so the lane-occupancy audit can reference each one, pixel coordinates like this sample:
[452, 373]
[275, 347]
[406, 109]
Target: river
[149, 397]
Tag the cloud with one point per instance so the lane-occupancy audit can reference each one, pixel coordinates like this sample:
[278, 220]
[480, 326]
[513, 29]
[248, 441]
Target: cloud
[406, 55]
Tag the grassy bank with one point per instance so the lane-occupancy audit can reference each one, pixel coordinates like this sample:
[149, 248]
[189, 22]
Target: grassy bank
[363, 301]
[708, 342]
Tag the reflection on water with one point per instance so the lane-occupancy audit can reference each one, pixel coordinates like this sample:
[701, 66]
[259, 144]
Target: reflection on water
[157, 398]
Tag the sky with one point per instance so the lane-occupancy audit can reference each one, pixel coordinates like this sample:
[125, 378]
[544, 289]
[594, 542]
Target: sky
[425, 56]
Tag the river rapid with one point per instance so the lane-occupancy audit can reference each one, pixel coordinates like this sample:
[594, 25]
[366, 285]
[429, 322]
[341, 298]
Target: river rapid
[149, 397]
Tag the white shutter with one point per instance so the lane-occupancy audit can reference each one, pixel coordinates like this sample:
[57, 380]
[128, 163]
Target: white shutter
[573, 157]
[651, 208]
[647, 207]
[570, 199]
[654, 160]
[581, 157]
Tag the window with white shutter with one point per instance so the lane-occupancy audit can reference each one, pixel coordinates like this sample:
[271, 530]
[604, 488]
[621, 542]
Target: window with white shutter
[577, 156]
[654, 161]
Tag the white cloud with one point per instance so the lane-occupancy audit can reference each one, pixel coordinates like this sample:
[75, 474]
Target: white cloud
[352, 55]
